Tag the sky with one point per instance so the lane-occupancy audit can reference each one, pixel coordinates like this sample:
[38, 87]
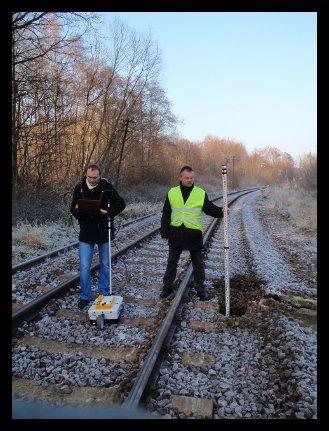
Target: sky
[247, 76]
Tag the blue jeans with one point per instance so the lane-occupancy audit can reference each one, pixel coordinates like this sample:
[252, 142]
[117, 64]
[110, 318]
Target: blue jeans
[86, 252]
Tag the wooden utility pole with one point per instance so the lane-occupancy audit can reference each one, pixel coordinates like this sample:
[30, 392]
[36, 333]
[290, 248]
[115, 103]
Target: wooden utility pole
[127, 121]
[232, 159]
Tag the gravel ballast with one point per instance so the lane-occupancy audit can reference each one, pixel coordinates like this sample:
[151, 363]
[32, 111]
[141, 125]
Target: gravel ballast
[264, 360]
[261, 359]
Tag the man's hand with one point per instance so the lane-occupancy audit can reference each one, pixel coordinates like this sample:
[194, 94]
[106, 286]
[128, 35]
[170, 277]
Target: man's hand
[103, 211]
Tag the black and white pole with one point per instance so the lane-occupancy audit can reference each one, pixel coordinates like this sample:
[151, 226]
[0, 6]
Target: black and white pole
[109, 227]
[226, 246]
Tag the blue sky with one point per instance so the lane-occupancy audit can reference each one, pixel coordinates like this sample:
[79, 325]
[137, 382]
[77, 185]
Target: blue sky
[249, 76]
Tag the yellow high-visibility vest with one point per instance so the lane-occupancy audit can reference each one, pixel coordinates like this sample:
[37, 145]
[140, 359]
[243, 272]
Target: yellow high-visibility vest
[190, 212]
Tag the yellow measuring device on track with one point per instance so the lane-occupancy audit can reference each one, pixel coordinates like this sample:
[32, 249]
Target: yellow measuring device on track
[105, 308]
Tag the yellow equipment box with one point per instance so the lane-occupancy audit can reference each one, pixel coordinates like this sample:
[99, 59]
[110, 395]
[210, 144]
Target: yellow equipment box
[105, 308]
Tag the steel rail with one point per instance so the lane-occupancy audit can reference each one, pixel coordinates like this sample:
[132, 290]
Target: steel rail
[33, 306]
[28, 263]
[146, 374]
[30, 309]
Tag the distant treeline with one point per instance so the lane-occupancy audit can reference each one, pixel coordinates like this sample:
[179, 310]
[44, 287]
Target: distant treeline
[77, 99]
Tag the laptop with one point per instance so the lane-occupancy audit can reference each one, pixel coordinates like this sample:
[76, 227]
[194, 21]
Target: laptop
[89, 204]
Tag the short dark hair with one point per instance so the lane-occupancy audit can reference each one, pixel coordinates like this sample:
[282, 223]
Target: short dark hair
[93, 167]
[186, 168]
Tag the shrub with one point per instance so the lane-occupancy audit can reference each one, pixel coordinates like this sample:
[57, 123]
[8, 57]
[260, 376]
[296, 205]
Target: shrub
[297, 204]
[307, 172]
[140, 209]
[29, 235]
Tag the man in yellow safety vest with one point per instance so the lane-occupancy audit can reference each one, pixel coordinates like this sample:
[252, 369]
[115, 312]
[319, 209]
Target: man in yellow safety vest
[181, 224]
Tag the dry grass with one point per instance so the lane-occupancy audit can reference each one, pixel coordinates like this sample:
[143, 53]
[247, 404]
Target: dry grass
[29, 235]
[41, 236]
[139, 209]
[296, 204]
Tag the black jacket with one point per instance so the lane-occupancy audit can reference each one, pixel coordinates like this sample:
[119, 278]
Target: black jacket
[94, 225]
[181, 236]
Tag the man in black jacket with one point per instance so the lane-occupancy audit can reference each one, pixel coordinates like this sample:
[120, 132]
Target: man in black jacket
[181, 224]
[94, 228]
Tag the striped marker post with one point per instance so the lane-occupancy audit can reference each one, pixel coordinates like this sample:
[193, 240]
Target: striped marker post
[226, 246]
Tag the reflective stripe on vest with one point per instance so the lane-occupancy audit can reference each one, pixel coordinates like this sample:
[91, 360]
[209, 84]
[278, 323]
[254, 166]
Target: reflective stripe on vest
[190, 213]
[190, 210]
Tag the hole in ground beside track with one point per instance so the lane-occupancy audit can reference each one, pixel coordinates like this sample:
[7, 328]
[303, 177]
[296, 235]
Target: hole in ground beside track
[243, 290]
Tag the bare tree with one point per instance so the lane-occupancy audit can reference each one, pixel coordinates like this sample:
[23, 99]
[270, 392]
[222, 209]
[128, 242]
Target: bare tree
[138, 63]
[37, 35]
[307, 172]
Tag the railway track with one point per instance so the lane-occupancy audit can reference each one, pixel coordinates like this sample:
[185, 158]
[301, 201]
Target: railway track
[51, 278]
[261, 362]
[178, 358]
[39, 279]
[36, 260]
[118, 352]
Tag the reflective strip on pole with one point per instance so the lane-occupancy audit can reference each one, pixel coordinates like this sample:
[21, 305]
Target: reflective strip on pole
[226, 246]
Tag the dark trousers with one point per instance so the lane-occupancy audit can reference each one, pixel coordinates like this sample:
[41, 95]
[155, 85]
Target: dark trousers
[197, 262]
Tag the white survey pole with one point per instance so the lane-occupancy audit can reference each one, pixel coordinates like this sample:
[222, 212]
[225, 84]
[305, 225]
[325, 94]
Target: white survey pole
[226, 246]
[109, 227]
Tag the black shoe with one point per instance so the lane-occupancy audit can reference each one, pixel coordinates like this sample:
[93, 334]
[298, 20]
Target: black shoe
[203, 295]
[82, 303]
[166, 292]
